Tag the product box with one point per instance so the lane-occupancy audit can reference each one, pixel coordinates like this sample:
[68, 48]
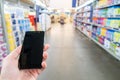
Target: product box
[3, 48]
[103, 31]
[110, 35]
[101, 39]
[108, 21]
[117, 37]
[107, 43]
[113, 47]
[94, 36]
[97, 38]
[110, 2]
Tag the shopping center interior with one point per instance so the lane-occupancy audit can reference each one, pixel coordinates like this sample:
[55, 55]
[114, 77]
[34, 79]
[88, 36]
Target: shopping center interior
[84, 36]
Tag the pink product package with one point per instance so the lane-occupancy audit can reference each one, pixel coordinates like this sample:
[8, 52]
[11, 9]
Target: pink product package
[102, 21]
[1, 39]
[3, 48]
[110, 2]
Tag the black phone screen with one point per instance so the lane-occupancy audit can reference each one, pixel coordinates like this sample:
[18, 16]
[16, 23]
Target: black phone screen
[32, 50]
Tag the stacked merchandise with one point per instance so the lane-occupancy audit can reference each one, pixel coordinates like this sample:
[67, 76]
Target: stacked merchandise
[83, 19]
[17, 23]
[105, 26]
[3, 46]
[109, 17]
[17, 19]
[43, 18]
[45, 22]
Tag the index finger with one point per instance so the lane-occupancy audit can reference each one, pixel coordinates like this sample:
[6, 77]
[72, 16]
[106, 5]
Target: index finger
[46, 47]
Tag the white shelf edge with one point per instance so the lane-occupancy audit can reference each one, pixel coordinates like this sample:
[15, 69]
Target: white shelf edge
[118, 58]
[84, 11]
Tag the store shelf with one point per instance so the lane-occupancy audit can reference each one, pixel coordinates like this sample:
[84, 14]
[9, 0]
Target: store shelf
[107, 27]
[83, 32]
[100, 45]
[83, 17]
[106, 49]
[108, 6]
[84, 11]
[107, 17]
[93, 15]
[87, 22]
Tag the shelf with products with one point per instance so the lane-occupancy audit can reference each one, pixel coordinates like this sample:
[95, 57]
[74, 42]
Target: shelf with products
[18, 19]
[82, 21]
[105, 24]
[107, 27]
[43, 18]
[3, 44]
[106, 4]
[107, 38]
[83, 17]
[111, 12]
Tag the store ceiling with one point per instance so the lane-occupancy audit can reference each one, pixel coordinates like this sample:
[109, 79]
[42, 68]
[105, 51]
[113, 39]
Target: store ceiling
[61, 4]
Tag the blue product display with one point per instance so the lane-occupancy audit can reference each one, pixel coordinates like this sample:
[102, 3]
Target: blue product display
[110, 35]
[12, 15]
[98, 31]
[13, 21]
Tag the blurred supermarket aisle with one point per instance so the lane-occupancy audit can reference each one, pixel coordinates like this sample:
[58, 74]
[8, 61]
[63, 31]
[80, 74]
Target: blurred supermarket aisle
[71, 57]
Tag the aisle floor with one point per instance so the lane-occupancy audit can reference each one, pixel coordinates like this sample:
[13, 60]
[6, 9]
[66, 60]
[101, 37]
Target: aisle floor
[72, 56]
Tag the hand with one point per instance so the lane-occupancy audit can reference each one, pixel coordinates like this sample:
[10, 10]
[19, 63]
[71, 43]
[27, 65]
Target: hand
[10, 70]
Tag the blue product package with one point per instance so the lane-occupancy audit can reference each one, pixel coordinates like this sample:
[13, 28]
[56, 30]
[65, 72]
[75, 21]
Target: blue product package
[108, 22]
[110, 35]
[13, 21]
[12, 15]
[22, 22]
[21, 28]
[19, 22]
[16, 33]
[98, 31]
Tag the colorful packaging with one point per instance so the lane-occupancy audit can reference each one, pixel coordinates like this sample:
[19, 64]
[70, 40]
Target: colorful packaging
[117, 37]
[93, 35]
[110, 34]
[113, 47]
[107, 43]
[103, 31]
[98, 31]
[101, 39]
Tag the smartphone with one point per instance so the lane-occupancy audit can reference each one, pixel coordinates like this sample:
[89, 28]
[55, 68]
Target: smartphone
[31, 55]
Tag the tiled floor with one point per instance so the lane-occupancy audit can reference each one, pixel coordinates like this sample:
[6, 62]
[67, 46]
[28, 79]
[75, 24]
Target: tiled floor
[72, 56]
